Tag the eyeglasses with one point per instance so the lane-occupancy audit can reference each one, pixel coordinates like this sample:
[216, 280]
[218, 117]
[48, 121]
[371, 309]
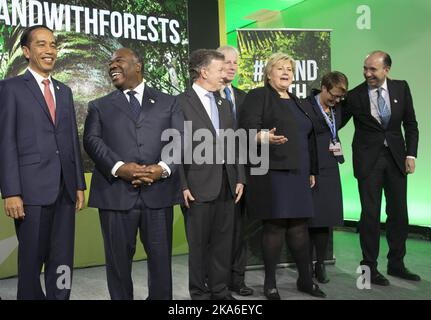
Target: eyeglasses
[335, 97]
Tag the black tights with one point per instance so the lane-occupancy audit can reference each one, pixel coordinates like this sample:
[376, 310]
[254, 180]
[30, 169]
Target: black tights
[296, 231]
[319, 238]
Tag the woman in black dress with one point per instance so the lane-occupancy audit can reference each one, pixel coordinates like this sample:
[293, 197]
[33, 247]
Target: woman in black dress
[323, 106]
[282, 198]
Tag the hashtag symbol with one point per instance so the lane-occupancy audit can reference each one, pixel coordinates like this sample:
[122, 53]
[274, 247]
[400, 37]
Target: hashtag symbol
[258, 70]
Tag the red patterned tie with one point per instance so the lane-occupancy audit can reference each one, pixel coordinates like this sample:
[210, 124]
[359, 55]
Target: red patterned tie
[49, 99]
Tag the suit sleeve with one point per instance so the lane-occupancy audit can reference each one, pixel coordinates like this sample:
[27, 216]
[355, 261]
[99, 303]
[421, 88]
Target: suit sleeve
[10, 182]
[346, 113]
[410, 124]
[183, 179]
[103, 157]
[177, 123]
[251, 114]
[80, 180]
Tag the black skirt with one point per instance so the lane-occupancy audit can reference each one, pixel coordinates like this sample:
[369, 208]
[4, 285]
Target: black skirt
[327, 199]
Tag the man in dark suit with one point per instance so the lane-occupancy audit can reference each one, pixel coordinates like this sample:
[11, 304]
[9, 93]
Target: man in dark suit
[382, 158]
[41, 175]
[133, 187]
[210, 189]
[235, 98]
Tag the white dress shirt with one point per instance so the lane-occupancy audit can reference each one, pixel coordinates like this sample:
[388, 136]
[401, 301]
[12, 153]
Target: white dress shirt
[202, 94]
[373, 95]
[39, 80]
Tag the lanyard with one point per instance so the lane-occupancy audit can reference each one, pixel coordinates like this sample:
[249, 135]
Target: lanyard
[331, 124]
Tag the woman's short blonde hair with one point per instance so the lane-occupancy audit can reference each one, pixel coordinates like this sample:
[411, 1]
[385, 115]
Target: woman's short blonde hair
[275, 58]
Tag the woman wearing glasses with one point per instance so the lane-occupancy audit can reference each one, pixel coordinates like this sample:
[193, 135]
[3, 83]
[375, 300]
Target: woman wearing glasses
[324, 108]
[282, 198]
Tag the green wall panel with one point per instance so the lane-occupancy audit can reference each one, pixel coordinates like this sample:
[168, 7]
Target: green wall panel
[399, 27]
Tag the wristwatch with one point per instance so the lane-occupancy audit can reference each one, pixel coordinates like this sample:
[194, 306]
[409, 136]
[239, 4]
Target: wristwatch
[165, 173]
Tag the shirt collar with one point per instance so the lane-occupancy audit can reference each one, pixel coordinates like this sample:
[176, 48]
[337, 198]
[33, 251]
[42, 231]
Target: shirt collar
[139, 89]
[384, 86]
[201, 92]
[228, 86]
[38, 77]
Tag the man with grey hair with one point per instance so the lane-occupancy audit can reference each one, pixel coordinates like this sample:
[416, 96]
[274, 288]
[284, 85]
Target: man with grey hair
[210, 189]
[235, 97]
[382, 159]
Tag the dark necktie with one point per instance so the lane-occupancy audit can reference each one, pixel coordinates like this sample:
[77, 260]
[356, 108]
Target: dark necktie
[134, 103]
[49, 99]
[232, 105]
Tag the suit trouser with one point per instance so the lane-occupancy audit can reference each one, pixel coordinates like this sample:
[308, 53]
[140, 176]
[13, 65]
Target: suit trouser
[119, 229]
[46, 237]
[209, 234]
[385, 176]
[239, 252]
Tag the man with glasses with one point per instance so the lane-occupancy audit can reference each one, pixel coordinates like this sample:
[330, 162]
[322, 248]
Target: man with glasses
[382, 158]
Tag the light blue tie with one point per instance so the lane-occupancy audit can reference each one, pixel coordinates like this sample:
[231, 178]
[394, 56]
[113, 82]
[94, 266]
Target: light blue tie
[232, 105]
[384, 110]
[214, 112]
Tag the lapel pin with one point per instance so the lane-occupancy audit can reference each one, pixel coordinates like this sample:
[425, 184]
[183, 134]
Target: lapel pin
[58, 88]
[395, 101]
[219, 102]
[152, 101]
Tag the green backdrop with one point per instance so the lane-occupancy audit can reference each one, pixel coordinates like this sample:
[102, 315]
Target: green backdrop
[399, 27]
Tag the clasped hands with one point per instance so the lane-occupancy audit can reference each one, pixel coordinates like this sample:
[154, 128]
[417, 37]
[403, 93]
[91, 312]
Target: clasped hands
[138, 174]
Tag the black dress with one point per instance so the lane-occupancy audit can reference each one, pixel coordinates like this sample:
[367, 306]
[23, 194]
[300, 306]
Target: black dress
[284, 191]
[291, 192]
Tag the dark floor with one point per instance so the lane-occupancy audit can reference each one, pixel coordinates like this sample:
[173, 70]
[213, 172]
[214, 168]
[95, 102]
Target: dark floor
[90, 283]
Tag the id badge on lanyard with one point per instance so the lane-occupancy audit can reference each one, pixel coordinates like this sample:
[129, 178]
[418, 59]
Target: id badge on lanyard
[334, 145]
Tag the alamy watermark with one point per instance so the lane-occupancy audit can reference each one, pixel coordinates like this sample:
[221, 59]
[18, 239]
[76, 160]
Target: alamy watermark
[228, 147]
[364, 280]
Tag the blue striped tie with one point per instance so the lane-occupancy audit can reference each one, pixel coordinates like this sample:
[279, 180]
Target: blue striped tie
[232, 105]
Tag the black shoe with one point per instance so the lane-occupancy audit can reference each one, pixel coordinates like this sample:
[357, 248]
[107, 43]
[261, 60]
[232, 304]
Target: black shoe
[404, 273]
[314, 290]
[272, 294]
[320, 273]
[228, 297]
[379, 279]
[243, 290]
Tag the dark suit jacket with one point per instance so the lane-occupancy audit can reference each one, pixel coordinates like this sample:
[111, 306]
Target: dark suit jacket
[204, 180]
[323, 133]
[261, 109]
[112, 133]
[370, 135]
[34, 152]
[239, 99]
